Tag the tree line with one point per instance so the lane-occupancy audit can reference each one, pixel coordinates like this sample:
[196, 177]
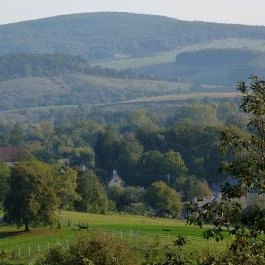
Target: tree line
[163, 164]
[55, 64]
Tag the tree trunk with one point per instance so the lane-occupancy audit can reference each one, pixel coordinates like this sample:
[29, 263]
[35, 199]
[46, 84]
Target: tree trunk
[26, 226]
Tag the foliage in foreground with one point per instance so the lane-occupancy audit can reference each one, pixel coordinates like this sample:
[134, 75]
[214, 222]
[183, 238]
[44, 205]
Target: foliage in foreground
[89, 250]
[246, 163]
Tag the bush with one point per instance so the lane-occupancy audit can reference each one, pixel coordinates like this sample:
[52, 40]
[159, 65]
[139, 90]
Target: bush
[87, 249]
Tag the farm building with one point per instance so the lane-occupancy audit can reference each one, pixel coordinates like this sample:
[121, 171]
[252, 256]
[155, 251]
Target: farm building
[115, 180]
[11, 155]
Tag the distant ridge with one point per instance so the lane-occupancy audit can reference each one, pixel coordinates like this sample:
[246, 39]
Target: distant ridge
[108, 35]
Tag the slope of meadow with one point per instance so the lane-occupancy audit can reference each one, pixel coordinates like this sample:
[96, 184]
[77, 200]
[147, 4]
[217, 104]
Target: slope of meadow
[137, 231]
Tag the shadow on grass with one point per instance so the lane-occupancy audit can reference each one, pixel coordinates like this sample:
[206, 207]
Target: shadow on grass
[11, 234]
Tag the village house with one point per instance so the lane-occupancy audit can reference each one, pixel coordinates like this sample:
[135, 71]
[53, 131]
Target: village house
[11, 155]
[115, 180]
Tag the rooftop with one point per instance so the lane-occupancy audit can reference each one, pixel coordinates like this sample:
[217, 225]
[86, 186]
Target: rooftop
[10, 154]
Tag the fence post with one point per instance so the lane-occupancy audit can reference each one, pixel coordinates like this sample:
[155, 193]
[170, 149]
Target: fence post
[29, 251]
[121, 234]
[38, 249]
[19, 252]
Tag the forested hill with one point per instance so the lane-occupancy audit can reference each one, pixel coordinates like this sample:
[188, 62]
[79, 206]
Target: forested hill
[114, 35]
[47, 65]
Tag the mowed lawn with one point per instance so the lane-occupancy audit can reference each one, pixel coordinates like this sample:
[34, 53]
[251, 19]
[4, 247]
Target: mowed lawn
[138, 231]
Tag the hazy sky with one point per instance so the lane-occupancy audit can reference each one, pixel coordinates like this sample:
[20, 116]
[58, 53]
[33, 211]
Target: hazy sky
[228, 11]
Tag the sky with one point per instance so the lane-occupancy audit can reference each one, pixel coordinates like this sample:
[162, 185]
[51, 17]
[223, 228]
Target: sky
[225, 11]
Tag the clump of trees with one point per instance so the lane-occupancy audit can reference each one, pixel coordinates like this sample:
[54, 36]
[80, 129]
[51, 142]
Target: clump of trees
[34, 192]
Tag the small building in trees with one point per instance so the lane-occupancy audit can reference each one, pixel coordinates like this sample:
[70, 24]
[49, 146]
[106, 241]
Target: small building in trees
[11, 155]
[116, 180]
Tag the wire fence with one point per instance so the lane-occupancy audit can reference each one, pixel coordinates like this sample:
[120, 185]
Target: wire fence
[133, 238]
[138, 240]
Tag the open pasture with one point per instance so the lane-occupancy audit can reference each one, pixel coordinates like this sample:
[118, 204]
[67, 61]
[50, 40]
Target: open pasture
[138, 231]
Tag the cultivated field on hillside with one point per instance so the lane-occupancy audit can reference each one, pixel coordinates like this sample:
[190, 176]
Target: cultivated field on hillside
[85, 89]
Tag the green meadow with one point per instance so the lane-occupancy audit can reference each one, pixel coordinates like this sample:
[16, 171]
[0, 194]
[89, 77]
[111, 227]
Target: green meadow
[137, 231]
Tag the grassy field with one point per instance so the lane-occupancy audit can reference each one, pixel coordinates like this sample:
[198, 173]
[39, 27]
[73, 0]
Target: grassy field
[137, 231]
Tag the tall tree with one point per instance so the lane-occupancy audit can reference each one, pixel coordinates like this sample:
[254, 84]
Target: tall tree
[82, 158]
[163, 166]
[32, 197]
[93, 196]
[65, 181]
[130, 154]
[163, 199]
[107, 149]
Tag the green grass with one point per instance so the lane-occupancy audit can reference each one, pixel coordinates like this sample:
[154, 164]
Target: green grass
[137, 231]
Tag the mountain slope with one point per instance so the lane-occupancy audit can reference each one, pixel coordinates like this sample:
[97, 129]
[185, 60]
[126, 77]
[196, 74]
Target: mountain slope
[100, 36]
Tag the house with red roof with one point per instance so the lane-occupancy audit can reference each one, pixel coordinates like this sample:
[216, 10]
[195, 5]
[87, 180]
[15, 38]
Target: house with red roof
[11, 155]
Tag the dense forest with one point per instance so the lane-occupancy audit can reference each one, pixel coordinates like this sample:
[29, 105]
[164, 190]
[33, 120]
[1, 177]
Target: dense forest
[14, 66]
[217, 57]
